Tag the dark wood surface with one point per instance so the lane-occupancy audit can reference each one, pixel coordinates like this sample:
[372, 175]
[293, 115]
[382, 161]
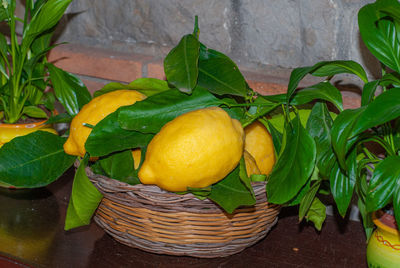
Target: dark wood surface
[31, 233]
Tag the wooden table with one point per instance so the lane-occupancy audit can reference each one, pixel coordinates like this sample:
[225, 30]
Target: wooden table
[31, 234]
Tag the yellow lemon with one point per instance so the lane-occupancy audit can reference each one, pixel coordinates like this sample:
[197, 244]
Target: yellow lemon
[92, 113]
[251, 165]
[258, 143]
[137, 155]
[196, 149]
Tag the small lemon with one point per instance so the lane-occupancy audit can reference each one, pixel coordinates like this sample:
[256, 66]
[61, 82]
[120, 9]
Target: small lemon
[251, 165]
[92, 113]
[196, 149]
[258, 143]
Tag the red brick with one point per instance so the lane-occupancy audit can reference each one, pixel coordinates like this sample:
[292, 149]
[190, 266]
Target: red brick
[99, 63]
[265, 88]
[156, 70]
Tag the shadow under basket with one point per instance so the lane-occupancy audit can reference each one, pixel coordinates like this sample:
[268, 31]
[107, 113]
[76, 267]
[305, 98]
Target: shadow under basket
[157, 221]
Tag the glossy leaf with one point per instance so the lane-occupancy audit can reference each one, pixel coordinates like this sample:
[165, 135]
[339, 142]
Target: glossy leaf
[319, 126]
[30, 170]
[384, 108]
[294, 166]
[243, 175]
[276, 137]
[317, 213]
[329, 68]
[181, 64]
[323, 91]
[219, 74]
[307, 200]
[69, 89]
[151, 114]
[342, 132]
[368, 92]
[342, 183]
[59, 118]
[396, 204]
[34, 111]
[108, 137]
[146, 86]
[380, 39]
[47, 17]
[120, 166]
[231, 192]
[84, 200]
[366, 219]
[383, 183]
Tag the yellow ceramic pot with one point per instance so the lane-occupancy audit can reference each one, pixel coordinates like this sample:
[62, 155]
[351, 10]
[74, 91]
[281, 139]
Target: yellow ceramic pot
[10, 131]
[384, 245]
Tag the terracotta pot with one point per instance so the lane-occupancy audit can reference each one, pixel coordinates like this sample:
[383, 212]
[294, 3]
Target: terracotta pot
[384, 245]
[10, 131]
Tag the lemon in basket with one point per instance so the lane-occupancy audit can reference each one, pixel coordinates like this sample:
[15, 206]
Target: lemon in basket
[196, 149]
[259, 144]
[92, 113]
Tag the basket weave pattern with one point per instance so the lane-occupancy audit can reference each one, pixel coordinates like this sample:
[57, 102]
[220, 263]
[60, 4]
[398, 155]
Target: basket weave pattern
[151, 219]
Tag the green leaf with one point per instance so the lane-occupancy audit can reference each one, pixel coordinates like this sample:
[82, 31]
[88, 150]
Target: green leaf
[45, 19]
[368, 92]
[146, 86]
[119, 166]
[317, 213]
[243, 175]
[294, 166]
[276, 137]
[343, 131]
[384, 108]
[342, 183]
[34, 111]
[231, 193]
[108, 137]
[219, 74]
[319, 126]
[180, 64]
[307, 200]
[69, 89]
[323, 91]
[84, 200]
[258, 177]
[44, 163]
[366, 219]
[380, 38]
[151, 114]
[383, 183]
[396, 204]
[329, 68]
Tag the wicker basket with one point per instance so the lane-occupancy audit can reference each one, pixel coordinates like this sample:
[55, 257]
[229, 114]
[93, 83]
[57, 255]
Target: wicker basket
[153, 220]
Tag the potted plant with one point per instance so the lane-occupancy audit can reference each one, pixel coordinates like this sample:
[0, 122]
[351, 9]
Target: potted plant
[26, 102]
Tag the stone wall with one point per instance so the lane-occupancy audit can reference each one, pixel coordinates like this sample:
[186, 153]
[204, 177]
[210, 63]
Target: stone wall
[258, 34]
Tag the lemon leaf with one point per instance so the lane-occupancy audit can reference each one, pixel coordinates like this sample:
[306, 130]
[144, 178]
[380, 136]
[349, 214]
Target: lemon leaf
[84, 200]
[231, 192]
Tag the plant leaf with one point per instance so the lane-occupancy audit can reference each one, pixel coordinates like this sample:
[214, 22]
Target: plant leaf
[329, 68]
[151, 114]
[219, 74]
[30, 170]
[108, 137]
[342, 132]
[119, 166]
[294, 166]
[34, 111]
[317, 213]
[69, 89]
[342, 182]
[383, 183]
[368, 92]
[146, 86]
[307, 200]
[366, 219]
[180, 64]
[84, 200]
[231, 193]
[384, 108]
[380, 38]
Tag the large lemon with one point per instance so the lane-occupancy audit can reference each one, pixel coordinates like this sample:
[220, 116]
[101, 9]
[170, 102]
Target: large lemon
[92, 113]
[259, 144]
[196, 149]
